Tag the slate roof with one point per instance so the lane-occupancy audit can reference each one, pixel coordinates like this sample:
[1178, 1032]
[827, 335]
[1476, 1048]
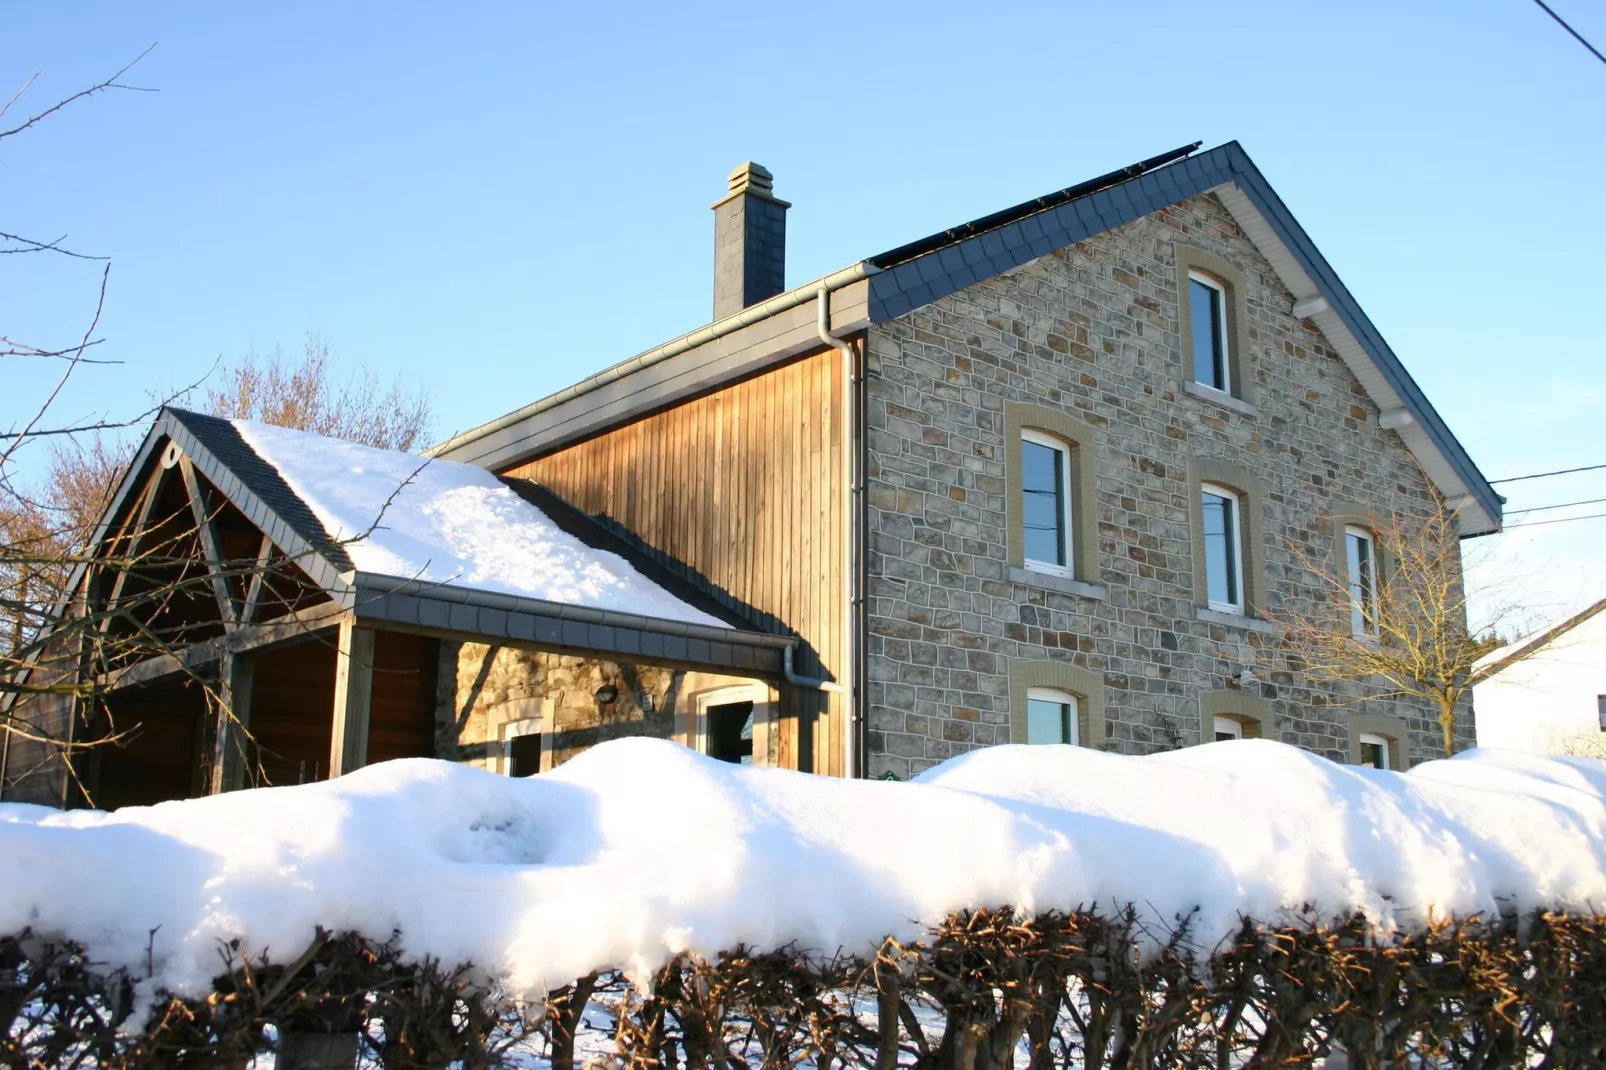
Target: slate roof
[222, 455]
[921, 272]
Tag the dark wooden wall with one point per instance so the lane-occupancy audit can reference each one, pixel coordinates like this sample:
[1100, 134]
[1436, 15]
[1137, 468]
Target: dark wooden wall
[165, 755]
[292, 704]
[746, 486]
[401, 720]
[292, 708]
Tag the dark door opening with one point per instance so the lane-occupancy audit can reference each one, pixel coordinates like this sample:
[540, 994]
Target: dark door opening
[524, 755]
[730, 732]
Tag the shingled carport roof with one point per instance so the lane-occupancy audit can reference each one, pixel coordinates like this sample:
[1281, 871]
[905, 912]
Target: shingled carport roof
[222, 455]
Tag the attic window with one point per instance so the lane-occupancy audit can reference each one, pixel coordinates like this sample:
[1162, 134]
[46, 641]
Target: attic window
[1207, 304]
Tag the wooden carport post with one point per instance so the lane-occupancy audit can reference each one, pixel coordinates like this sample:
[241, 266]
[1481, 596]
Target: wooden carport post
[234, 720]
[354, 679]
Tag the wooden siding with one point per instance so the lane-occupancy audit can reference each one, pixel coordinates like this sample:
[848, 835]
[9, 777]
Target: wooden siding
[745, 485]
[401, 719]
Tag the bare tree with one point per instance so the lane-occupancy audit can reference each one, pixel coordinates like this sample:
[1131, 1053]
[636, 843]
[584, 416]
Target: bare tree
[1400, 621]
[306, 395]
[74, 615]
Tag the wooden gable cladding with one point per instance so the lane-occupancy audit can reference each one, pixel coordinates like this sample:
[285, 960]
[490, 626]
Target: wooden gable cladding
[746, 486]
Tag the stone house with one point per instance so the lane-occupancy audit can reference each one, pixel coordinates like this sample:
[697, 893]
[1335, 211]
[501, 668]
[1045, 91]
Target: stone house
[1041, 477]
[1055, 468]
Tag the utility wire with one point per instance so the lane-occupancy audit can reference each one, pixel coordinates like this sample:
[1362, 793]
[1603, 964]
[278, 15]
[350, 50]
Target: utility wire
[1563, 505]
[1558, 520]
[1542, 475]
[1563, 23]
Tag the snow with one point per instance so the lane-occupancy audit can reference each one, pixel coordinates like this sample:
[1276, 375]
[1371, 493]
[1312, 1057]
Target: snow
[638, 849]
[452, 524]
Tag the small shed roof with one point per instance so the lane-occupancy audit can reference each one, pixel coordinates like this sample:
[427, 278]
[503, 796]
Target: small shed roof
[448, 548]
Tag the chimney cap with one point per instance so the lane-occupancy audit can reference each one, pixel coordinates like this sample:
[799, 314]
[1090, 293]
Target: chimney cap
[751, 179]
[752, 176]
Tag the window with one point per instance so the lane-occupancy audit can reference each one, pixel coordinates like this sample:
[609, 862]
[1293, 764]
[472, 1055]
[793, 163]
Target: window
[1361, 555]
[1207, 305]
[1374, 750]
[730, 732]
[1055, 702]
[1050, 716]
[1226, 728]
[1046, 503]
[1600, 702]
[1223, 550]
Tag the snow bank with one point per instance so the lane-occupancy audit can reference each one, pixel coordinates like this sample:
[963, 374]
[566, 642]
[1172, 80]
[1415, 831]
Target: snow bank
[453, 524]
[639, 848]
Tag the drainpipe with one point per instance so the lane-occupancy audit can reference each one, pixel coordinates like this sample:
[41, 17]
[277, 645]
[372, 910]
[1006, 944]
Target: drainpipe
[850, 515]
[813, 683]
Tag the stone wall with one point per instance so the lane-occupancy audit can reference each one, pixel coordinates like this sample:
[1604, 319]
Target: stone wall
[483, 688]
[1092, 330]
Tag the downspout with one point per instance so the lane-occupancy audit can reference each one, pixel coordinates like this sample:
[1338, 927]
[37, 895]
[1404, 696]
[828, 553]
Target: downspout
[850, 516]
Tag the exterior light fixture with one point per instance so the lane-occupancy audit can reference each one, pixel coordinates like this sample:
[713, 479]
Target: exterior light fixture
[607, 693]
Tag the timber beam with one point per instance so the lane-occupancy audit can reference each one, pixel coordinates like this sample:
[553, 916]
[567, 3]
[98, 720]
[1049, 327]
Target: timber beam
[290, 627]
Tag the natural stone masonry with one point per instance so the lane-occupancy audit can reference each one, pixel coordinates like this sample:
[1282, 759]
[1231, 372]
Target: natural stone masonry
[1093, 330]
[482, 689]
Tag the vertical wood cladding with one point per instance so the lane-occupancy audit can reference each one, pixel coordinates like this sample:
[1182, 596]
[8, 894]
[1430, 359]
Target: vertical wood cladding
[745, 485]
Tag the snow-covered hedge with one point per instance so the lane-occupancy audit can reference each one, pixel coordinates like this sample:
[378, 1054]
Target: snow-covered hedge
[1238, 895]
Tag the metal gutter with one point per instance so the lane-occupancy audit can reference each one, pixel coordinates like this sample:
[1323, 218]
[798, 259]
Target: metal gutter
[729, 325]
[358, 586]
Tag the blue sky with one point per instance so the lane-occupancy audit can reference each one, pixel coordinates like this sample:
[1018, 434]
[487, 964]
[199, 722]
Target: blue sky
[494, 200]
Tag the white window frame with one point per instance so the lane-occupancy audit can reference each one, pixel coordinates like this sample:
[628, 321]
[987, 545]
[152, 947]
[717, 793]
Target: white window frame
[1229, 726]
[1383, 742]
[1068, 569]
[1222, 294]
[526, 726]
[1054, 694]
[1368, 628]
[758, 693]
[1237, 591]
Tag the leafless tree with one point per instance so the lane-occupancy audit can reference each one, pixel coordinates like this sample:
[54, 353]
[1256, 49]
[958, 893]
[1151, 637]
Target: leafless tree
[76, 611]
[1404, 630]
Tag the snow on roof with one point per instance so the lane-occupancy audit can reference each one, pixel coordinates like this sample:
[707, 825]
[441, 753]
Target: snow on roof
[453, 524]
[1531, 643]
[543, 879]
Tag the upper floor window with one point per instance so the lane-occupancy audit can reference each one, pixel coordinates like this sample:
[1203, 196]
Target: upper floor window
[1360, 551]
[1207, 302]
[1046, 503]
[1228, 728]
[1223, 549]
[1051, 716]
[1374, 750]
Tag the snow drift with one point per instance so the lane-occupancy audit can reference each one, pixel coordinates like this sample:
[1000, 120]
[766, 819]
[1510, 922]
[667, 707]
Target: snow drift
[441, 522]
[639, 849]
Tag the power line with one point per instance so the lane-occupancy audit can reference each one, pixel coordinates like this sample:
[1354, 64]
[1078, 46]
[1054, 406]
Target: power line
[1558, 520]
[1542, 475]
[1580, 37]
[1563, 505]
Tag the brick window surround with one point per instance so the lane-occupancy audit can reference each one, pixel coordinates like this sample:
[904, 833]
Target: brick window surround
[1082, 446]
[1246, 485]
[1389, 727]
[1190, 258]
[1088, 687]
[1250, 711]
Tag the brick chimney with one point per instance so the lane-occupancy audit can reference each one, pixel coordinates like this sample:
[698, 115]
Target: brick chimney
[749, 241]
